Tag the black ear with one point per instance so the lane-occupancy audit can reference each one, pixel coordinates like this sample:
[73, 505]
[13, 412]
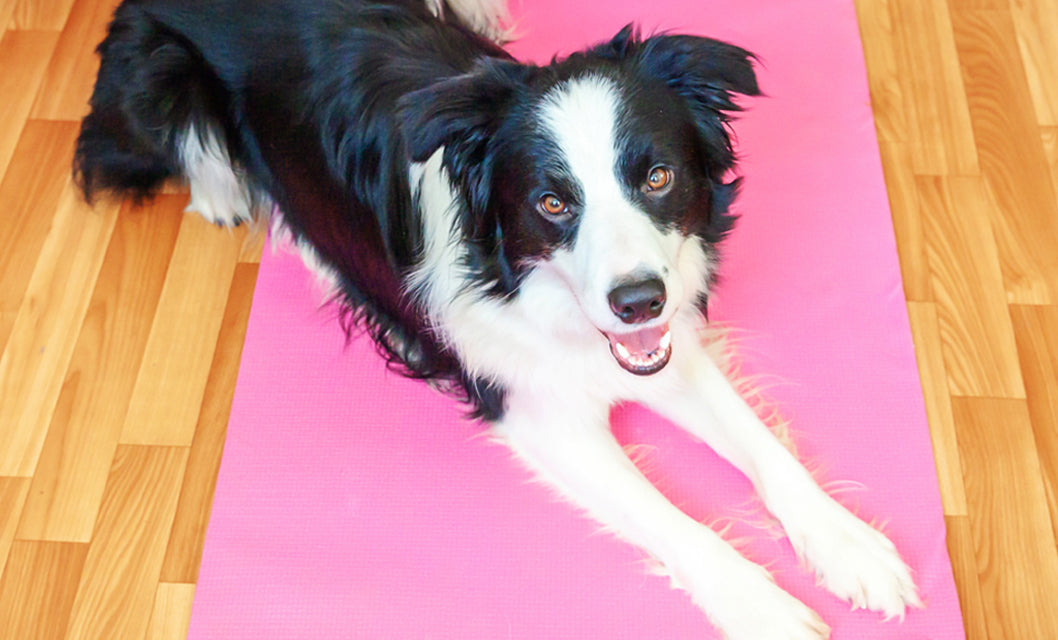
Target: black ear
[705, 73]
[462, 114]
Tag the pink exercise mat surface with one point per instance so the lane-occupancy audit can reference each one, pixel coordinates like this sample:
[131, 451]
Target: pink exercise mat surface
[353, 503]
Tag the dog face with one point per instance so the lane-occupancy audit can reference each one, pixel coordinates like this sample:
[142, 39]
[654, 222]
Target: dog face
[604, 170]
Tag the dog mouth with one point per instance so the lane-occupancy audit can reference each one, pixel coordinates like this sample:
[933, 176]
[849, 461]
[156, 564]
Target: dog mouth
[642, 352]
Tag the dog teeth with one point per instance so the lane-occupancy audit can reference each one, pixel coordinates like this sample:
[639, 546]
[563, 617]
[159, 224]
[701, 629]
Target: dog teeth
[640, 362]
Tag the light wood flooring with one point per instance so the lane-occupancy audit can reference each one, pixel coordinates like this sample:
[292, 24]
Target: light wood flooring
[121, 328]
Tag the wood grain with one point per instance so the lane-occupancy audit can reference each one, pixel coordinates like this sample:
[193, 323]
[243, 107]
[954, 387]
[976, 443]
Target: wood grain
[964, 566]
[1013, 540]
[115, 596]
[938, 119]
[68, 81]
[1049, 138]
[1025, 214]
[887, 78]
[1037, 333]
[75, 461]
[23, 58]
[976, 335]
[46, 328]
[168, 393]
[38, 589]
[196, 497]
[13, 493]
[34, 14]
[171, 614]
[29, 195]
[1036, 24]
[912, 248]
[7, 9]
[933, 373]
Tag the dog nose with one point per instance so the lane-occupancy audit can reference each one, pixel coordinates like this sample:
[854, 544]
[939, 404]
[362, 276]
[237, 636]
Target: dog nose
[639, 301]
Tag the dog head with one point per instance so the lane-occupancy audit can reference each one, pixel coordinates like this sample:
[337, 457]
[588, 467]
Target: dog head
[606, 170]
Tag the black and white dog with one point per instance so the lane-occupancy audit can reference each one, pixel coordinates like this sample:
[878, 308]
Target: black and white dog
[539, 240]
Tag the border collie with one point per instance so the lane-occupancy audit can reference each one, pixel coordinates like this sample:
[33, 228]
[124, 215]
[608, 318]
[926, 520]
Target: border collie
[539, 240]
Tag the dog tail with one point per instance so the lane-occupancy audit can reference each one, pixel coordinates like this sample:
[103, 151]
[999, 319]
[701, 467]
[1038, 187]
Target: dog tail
[158, 113]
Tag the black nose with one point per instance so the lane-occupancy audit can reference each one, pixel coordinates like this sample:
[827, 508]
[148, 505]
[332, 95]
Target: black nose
[639, 301]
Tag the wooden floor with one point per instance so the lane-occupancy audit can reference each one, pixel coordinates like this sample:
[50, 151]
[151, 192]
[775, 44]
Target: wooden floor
[121, 329]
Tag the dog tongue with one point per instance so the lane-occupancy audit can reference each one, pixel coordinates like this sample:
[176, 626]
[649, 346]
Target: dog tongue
[643, 342]
[642, 352]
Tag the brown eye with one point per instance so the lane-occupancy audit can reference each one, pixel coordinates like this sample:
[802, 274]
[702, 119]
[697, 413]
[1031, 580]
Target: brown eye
[658, 179]
[552, 205]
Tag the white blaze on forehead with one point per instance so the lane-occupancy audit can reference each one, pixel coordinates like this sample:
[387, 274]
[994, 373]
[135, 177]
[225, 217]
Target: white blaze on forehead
[582, 116]
[616, 239]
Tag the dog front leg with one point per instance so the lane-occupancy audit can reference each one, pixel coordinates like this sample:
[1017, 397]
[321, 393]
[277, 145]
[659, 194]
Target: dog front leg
[571, 447]
[852, 559]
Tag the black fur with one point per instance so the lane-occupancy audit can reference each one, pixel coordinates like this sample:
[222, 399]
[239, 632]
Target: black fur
[325, 103]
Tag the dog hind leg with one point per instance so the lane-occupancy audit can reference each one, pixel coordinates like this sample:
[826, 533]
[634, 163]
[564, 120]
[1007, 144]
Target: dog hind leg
[159, 112]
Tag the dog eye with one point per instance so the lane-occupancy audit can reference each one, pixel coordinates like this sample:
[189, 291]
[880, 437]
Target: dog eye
[552, 205]
[658, 179]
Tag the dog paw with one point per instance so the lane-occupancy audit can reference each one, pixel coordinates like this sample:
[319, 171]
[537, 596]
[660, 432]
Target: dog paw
[221, 214]
[769, 613]
[748, 605]
[855, 561]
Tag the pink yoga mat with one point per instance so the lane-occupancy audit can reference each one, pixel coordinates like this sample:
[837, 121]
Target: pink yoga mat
[353, 503]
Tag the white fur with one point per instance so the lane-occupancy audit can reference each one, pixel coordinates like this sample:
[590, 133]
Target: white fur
[487, 17]
[545, 347]
[219, 191]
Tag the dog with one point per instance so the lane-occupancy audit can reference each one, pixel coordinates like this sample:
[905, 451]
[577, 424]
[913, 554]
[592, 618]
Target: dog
[539, 241]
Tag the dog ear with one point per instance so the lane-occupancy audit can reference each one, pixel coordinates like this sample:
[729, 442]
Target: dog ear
[706, 73]
[461, 114]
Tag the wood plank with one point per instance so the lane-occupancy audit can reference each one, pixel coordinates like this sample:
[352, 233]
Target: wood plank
[1049, 138]
[117, 590]
[254, 244]
[34, 14]
[964, 567]
[38, 588]
[169, 389]
[23, 58]
[71, 73]
[196, 498]
[13, 493]
[1036, 330]
[75, 461]
[1025, 217]
[926, 331]
[171, 615]
[7, 9]
[975, 329]
[46, 328]
[958, 6]
[907, 222]
[1017, 562]
[1036, 23]
[29, 195]
[884, 76]
[939, 132]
